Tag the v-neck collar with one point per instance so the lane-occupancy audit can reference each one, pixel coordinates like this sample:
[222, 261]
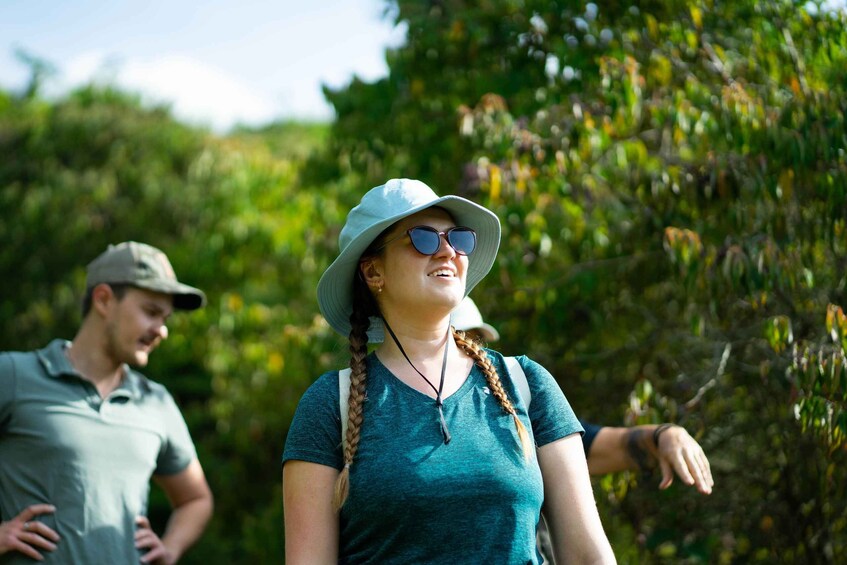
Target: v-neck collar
[378, 369]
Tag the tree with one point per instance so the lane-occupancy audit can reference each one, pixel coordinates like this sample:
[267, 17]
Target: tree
[671, 179]
[684, 226]
[97, 167]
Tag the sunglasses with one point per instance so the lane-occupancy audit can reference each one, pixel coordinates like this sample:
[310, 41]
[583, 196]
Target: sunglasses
[427, 240]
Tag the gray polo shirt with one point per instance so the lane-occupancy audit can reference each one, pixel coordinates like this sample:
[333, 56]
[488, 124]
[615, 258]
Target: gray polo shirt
[91, 457]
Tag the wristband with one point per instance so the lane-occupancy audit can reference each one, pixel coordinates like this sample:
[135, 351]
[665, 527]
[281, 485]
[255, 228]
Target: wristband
[658, 431]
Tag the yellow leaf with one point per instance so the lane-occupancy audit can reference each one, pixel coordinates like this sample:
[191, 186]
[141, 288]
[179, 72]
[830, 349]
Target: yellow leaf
[417, 87]
[495, 183]
[652, 27]
[457, 30]
[235, 303]
[786, 183]
[275, 363]
[697, 17]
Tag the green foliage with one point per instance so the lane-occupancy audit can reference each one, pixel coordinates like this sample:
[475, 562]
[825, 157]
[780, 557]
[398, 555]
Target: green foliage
[289, 140]
[671, 180]
[671, 183]
[97, 168]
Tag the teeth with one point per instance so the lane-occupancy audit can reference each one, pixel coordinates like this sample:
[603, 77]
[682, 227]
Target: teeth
[442, 273]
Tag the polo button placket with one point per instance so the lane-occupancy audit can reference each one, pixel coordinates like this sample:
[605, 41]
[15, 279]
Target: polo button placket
[94, 398]
[106, 408]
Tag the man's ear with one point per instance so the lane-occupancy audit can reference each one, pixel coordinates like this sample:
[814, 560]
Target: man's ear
[102, 297]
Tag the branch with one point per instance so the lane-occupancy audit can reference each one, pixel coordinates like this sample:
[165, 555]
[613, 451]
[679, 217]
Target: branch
[713, 381]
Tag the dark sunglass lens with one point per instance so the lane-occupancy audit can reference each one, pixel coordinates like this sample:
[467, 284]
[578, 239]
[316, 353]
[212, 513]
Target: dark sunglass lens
[426, 240]
[463, 240]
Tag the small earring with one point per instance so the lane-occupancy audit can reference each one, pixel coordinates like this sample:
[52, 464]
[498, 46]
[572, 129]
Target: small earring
[379, 289]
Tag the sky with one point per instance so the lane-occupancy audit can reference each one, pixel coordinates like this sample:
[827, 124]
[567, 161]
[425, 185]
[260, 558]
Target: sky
[216, 62]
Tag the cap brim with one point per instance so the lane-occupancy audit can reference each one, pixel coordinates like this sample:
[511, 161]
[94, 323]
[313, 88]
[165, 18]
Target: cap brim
[335, 287]
[185, 297]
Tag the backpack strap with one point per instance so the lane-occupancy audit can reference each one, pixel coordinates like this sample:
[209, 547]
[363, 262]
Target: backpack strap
[343, 401]
[516, 373]
[518, 376]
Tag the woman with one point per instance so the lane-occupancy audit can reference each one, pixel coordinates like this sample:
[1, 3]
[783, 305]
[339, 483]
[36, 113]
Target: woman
[440, 462]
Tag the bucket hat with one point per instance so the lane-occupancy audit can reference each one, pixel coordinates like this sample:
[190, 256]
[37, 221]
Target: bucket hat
[468, 317]
[142, 266]
[381, 207]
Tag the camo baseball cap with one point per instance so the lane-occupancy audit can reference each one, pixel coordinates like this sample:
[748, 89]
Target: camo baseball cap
[142, 266]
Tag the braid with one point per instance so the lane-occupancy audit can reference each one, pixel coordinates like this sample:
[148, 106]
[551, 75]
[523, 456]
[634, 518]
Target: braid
[363, 303]
[483, 362]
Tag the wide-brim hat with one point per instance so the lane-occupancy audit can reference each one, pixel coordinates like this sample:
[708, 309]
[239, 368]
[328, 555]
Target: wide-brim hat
[381, 207]
[468, 317]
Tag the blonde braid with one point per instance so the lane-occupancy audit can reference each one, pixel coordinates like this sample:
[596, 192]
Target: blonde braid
[483, 362]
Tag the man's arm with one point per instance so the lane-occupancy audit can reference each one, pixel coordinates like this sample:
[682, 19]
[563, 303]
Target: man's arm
[191, 499]
[619, 449]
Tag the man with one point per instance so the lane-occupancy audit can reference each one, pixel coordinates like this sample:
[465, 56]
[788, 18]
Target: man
[81, 434]
[614, 449]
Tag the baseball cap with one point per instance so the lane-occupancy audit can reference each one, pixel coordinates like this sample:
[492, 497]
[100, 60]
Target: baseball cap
[142, 266]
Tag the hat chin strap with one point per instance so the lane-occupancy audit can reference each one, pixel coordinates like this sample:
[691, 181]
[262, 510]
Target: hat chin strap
[438, 400]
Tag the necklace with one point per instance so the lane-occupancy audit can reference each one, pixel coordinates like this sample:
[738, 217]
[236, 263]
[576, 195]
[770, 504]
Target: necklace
[438, 400]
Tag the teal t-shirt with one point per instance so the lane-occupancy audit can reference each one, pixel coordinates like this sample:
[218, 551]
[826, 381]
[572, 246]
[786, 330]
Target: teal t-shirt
[414, 499]
[91, 457]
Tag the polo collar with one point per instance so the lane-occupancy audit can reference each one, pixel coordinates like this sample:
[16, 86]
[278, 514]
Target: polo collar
[56, 364]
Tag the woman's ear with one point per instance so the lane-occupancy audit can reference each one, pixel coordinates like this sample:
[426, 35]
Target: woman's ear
[370, 273]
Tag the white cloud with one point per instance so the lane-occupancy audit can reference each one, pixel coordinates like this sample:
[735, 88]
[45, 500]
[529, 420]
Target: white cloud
[827, 6]
[196, 91]
[216, 63]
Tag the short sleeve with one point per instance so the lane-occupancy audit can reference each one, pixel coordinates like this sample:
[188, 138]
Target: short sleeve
[178, 449]
[549, 411]
[315, 432]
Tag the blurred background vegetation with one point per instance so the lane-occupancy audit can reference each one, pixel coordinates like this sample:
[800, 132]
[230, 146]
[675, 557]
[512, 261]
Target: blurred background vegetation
[671, 179]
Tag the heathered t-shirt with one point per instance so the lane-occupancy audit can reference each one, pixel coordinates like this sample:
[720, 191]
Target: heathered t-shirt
[90, 457]
[414, 499]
